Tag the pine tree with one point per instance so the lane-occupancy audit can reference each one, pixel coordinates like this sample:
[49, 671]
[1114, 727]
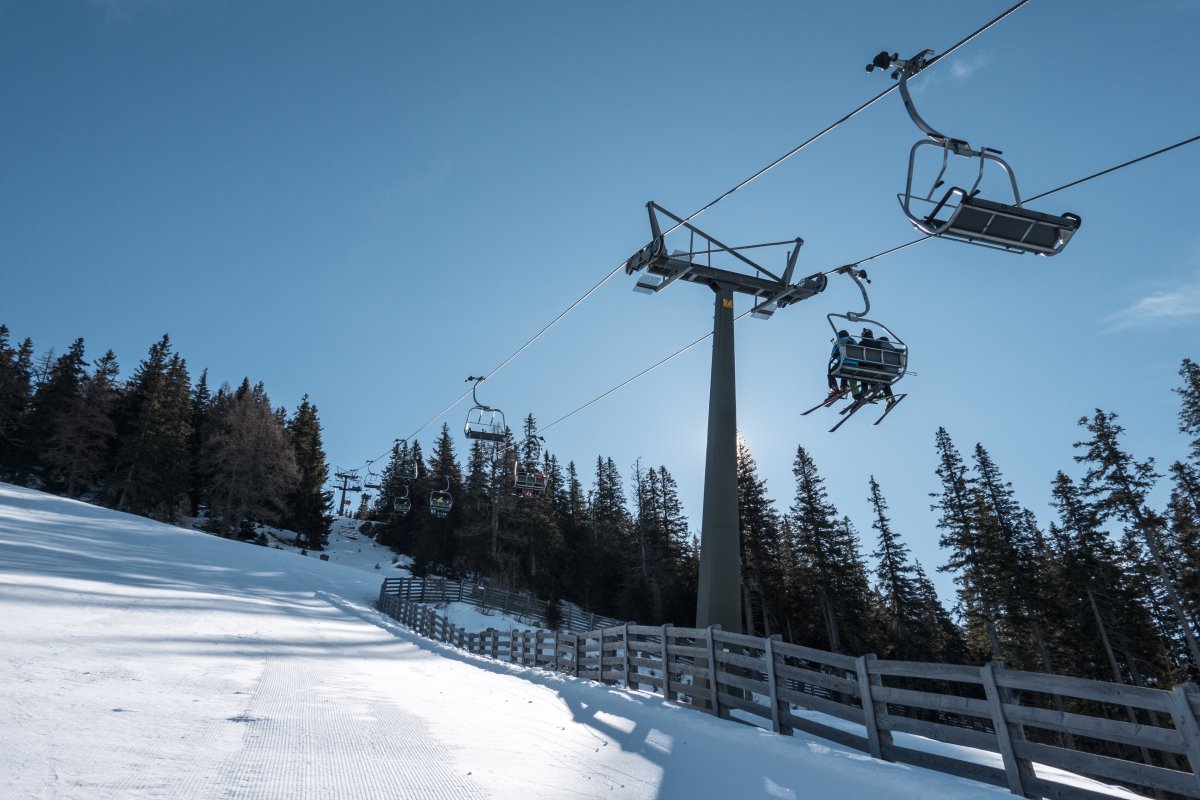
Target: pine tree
[58, 397]
[1008, 549]
[832, 575]
[767, 558]
[608, 540]
[249, 463]
[1103, 622]
[154, 427]
[1189, 412]
[962, 524]
[16, 390]
[201, 430]
[309, 504]
[1119, 486]
[897, 587]
[81, 438]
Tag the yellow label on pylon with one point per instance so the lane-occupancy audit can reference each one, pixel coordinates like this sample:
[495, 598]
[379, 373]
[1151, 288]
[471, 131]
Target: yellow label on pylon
[727, 302]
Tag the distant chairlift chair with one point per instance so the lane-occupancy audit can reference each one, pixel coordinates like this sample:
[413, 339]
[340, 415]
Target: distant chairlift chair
[960, 214]
[441, 501]
[483, 422]
[402, 505]
[530, 481]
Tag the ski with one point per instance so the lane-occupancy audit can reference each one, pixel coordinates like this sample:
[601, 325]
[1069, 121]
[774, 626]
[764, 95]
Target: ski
[826, 403]
[852, 409]
[895, 401]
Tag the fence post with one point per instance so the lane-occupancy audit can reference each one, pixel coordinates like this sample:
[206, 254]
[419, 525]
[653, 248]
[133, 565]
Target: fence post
[1184, 717]
[625, 649]
[666, 663]
[576, 655]
[773, 687]
[876, 739]
[714, 697]
[1015, 769]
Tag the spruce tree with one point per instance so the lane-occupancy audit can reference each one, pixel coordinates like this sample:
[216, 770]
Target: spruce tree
[16, 390]
[1189, 412]
[81, 438]
[1118, 486]
[249, 463]
[58, 397]
[962, 523]
[900, 611]
[830, 582]
[153, 464]
[1103, 622]
[767, 558]
[309, 504]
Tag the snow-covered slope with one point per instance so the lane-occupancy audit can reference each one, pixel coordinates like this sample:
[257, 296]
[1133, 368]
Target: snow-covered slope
[139, 660]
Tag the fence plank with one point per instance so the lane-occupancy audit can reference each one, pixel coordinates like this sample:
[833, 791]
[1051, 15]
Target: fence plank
[1109, 730]
[1115, 693]
[1170, 780]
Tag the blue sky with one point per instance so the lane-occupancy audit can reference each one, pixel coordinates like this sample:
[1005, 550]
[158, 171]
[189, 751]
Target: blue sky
[368, 201]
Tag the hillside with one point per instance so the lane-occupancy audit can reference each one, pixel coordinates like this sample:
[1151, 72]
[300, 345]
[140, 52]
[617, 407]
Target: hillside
[147, 661]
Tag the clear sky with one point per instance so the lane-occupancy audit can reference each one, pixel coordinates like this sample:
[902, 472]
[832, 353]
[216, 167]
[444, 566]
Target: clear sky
[368, 201]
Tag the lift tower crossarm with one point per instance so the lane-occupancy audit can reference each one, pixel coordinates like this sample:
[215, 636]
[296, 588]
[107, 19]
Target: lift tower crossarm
[656, 261]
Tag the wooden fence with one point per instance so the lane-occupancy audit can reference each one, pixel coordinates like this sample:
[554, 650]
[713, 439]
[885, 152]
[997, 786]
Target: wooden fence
[518, 604]
[1145, 739]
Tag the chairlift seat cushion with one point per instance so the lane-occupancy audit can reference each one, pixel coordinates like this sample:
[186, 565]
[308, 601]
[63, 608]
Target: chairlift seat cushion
[1008, 226]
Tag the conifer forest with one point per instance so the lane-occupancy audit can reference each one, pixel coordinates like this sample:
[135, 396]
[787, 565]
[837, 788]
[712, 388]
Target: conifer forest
[1107, 588]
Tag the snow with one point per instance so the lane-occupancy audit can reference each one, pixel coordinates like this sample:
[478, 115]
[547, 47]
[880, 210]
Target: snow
[142, 660]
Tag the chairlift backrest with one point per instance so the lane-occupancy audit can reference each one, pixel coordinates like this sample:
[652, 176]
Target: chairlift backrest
[876, 360]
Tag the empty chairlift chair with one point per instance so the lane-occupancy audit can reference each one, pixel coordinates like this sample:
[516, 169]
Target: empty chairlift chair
[960, 213]
[483, 422]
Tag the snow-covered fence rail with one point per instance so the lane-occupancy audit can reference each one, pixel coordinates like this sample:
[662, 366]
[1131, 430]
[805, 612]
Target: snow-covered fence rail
[483, 595]
[1142, 738]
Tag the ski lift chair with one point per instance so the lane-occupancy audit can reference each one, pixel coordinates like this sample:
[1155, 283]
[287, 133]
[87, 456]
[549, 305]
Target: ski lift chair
[532, 481]
[402, 505]
[874, 363]
[483, 422]
[960, 214]
[441, 501]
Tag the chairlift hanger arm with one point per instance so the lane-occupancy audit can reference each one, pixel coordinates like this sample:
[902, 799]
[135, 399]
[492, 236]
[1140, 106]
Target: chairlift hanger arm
[478, 380]
[858, 275]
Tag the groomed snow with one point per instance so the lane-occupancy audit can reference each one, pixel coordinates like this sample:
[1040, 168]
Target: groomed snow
[140, 660]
